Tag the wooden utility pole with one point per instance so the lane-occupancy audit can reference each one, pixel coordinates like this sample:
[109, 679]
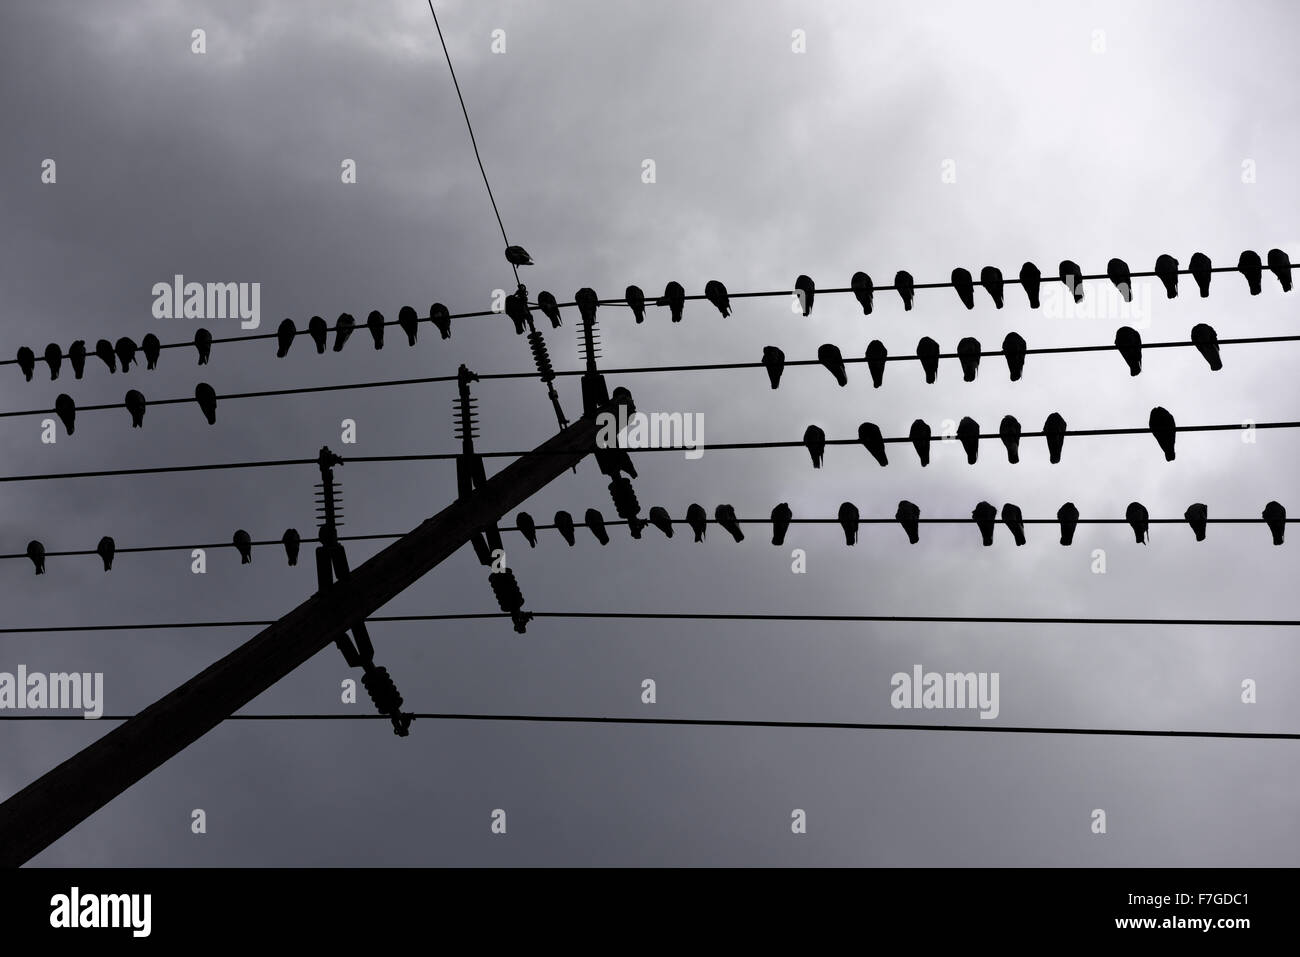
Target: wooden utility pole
[59, 800]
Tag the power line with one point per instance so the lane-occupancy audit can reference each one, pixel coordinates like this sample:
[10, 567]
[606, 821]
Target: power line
[716, 723]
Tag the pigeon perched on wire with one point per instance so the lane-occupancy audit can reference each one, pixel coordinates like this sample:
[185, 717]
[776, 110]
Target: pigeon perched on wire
[135, 404]
[805, 289]
[441, 319]
[906, 286]
[1068, 516]
[343, 330]
[774, 362]
[921, 435]
[518, 256]
[243, 543]
[661, 520]
[125, 350]
[1197, 515]
[77, 356]
[202, 342]
[781, 518]
[409, 322]
[1014, 349]
[1129, 343]
[106, 549]
[1054, 428]
[1118, 272]
[968, 433]
[927, 350]
[104, 350]
[1031, 280]
[909, 516]
[991, 280]
[674, 298]
[985, 515]
[291, 541]
[849, 518]
[36, 552]
[636, 302]
[1167, 272]
[725, 516]
[876, 356]
[964, 284]
[596, 523]
[318, 329]
[1250, 266]
[54, 359]
[1206, 341]
[528, 527]
[1137, 517]
[206, 397]
[285, 333]
[968, 354]
[1072, 276]
[1200, 268]
[550, 308]
[564, 525]
[587, 301]
[863, 291]
[517, 310]
[26, 362]
[871, 439]
[814, 440]
[1275, 515]
[716, 293]
[66, 409]
[1162, 427]
[1009, 433]
[698, 520]
[1279, 263]
[375, 323]
[1014, 521]
[829, 355]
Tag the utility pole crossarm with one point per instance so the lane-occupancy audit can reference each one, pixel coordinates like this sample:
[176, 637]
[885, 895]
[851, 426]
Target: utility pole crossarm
[45, 810]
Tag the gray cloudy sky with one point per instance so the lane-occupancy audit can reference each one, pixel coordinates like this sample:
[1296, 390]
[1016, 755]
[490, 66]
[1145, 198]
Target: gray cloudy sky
[225, 167]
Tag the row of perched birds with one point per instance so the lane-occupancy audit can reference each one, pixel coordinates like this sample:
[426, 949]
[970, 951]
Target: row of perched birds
[1249, 265]
[908, 515]
[242, 541]
[1160, 423]
[1127, 340]
[65, 407]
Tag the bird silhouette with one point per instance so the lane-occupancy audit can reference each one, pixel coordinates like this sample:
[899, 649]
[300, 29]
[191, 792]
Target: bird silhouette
[698, 520]
[525, 523]
[1275, 515]
[318, 329]
[1031, 279]
[291, 541]
[36, 552]
[1015, 522]
[1167, 273]
[375, 323]
[927, 350]
[1009, 433]
[1200, 269]
[564, 524]
[1196, 516]
[674, 298]
[54, 359]
[106, 548]
[1279, 263]
[968, 433]
[409, 321]
[125, 350]
[909, 516]
[26, 362]
[135, 404]
[805, 289]
[863, 291]
[636, 302]
[1249, 265]
[1118, 272]
[780, 523]
[517, 310]
[1054, 428]
[587, 301]
[991, 280]
[1207, 344]
[244, 545]
[77, 355]
[202, 342]
[870, 437]
[1136, 516]
[829, 355]
[550, 308]
[1162, 427]
[985, 515]
[343, 330]
[285, 333]
[1014, 347]
[774, 362]
[596, 522]
[920, 435]
[206, 397]
[716, 293]
[518, 256]
[968, 354]
[849, 519]
[661, 520]
[725, 516]
[104, 350]
[965, 286]
[1068, 516]
[441, 318]
[1129, 343]
[66, 409]
[876, 356]
[906, 287]
[1072, 276]
[814, 440]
